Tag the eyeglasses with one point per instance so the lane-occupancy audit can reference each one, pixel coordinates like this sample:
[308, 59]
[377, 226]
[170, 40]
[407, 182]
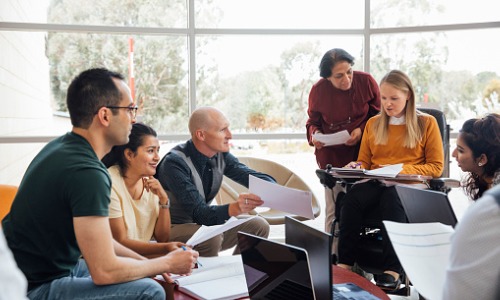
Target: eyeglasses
[132, 110]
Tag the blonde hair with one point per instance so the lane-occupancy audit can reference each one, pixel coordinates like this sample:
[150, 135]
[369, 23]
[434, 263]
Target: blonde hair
[414, 124]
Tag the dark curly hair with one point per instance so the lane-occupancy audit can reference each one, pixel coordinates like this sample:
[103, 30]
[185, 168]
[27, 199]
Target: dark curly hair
[136, 138]
[482, 136]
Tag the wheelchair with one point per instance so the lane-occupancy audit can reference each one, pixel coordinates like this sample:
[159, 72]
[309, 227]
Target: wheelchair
[369, 252]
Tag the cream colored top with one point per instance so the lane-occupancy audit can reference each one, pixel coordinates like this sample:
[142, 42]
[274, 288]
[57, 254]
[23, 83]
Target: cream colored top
[140, 216]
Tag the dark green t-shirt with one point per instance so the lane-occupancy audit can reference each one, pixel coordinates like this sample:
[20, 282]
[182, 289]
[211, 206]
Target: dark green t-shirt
[65, 180]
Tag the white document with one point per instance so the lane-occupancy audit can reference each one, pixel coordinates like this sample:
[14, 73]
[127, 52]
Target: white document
[282, 198]
[331, 139]
[423, 250]
[387, 171]
[205, 233]
[221, 277]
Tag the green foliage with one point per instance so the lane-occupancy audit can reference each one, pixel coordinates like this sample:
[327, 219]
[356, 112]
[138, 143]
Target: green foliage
[160, 62]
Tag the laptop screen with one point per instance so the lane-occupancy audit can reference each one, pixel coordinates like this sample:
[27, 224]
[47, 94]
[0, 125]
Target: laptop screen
[274, 270]
[318, 245]
[425, 206]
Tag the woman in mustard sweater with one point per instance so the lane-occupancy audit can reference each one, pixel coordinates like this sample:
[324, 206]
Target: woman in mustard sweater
[399, 134]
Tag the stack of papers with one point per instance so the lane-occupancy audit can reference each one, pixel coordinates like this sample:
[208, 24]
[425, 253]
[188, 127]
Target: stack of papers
[388, 171]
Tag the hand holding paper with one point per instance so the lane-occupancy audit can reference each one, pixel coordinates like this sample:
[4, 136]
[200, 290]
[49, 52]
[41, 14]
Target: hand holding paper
[282, 198]
[333, 138]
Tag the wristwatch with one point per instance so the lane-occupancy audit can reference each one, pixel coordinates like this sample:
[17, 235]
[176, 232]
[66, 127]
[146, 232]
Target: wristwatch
[165, 206]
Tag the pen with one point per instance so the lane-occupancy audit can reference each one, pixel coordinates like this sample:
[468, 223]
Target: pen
[197, 262]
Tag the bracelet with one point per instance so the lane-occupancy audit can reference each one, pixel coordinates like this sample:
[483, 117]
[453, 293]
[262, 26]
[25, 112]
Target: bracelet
[165, 206]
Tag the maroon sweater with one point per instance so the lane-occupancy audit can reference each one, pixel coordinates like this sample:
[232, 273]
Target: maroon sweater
[331, 110]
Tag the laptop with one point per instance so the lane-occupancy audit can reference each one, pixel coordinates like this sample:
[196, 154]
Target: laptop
[425, 206]
[318, 245]
[274, 270]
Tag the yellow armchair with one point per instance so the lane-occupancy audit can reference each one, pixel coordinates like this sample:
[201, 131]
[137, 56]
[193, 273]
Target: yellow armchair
[7, 194]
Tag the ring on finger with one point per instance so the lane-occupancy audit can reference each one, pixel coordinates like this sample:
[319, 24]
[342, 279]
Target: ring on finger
[246, 201]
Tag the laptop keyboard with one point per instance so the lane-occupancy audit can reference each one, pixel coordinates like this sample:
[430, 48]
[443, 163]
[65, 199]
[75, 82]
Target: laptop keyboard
[290, 290]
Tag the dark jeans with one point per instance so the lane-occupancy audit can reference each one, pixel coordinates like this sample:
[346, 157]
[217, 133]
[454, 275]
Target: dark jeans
[358, 202]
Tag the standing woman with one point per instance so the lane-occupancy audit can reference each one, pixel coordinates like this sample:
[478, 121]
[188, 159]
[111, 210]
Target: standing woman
[399, 134]
[342, 100]
[478, 154]
[139, 208]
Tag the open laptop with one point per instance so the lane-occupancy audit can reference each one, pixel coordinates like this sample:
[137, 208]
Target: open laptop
[318, 245]
[274, 270]
[425, 206]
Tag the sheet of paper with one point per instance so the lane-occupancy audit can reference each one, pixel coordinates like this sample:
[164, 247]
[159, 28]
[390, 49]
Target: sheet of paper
[221, 277]
[282, 198]
[423, 250]
[214, 269]
[387, 171]
[205, 233]
[331, 139]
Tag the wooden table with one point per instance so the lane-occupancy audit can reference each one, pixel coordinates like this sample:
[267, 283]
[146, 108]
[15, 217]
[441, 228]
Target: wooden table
[339, 276]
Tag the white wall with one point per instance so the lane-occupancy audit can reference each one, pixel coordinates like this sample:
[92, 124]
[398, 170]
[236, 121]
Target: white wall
[24, 87]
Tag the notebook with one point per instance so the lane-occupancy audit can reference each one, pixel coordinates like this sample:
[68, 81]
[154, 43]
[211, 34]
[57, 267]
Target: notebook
[274, 270]
[425, 206]
[318, 245]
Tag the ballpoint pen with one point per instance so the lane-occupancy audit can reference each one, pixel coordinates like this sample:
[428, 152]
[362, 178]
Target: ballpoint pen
[197, 262]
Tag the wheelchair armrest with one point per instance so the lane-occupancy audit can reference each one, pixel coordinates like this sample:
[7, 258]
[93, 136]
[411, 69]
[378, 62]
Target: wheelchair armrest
[326, 179]
[443, 184]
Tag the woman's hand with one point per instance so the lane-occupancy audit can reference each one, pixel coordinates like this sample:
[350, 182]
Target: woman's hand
[355, 137]
[152, 184]
[353, 165]
[317, 144]
[172, 246]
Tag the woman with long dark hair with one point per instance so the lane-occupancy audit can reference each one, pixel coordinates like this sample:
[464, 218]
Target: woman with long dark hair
[139, 208]
[478, 154]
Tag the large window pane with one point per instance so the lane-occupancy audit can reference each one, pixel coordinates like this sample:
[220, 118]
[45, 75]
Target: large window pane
[160, 71]
[397, 13]
[280, 14]
[263, 82]
[462, 80]
[142, 13]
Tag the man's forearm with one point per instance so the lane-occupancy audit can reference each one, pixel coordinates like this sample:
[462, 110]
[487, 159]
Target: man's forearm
[123, 251]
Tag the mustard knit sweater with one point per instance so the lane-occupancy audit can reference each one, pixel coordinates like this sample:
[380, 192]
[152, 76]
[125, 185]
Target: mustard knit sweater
[427, 158]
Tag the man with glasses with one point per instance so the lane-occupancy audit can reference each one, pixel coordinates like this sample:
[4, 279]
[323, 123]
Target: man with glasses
[60, 212]
[191, 174]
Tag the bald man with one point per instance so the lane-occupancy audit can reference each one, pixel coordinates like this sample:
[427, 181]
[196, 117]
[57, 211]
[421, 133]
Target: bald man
[192, 173]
